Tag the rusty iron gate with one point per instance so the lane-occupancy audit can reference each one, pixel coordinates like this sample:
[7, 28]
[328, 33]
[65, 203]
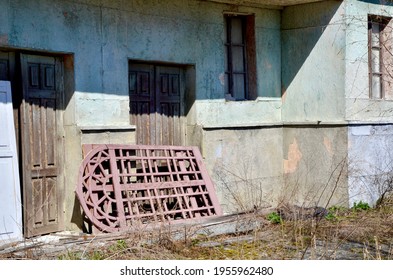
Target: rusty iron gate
[119, 185]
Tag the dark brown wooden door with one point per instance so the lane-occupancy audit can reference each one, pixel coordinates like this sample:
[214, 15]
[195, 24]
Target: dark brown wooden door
[4, 66]
[42, 144]
[156, 104]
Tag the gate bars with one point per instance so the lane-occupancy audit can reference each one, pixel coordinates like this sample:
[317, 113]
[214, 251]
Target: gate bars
[119, 185]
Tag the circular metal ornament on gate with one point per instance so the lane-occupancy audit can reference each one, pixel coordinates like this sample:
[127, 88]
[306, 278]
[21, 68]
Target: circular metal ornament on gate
[96, 190]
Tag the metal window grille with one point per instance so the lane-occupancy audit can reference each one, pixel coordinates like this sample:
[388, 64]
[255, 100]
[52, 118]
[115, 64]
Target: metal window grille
[119, 185]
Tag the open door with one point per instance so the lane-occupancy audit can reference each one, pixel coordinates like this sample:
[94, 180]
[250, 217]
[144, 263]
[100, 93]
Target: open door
[10, 198]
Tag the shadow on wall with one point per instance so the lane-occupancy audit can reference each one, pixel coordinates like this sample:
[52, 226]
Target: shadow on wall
[301, 33]
[16, 68]
[381, 2]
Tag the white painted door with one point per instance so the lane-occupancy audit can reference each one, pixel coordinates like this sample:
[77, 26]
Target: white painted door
[10, 198]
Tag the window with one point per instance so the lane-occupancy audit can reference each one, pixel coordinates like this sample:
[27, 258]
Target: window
[240, 57]
[380, 56]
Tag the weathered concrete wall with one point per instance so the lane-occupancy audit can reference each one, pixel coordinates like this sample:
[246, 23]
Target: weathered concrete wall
[246, 165]
[316, 61]
[371, 162]
[101, 36]
[264, 166]
[313, 85]
[313, 59]
[360, 108]
[371, 131]
[315, 165]
[211, 108]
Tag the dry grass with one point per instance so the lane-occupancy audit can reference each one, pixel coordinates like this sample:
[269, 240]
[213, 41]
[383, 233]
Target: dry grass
[343, 234]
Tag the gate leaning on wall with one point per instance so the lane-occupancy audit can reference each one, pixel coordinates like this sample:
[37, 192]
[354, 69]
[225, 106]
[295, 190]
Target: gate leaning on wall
[120, 185]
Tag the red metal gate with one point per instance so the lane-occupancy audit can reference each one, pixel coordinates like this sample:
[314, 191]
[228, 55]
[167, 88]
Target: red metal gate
[122, 184]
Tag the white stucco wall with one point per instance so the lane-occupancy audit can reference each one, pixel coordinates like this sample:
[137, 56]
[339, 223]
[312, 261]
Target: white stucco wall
[369, 136]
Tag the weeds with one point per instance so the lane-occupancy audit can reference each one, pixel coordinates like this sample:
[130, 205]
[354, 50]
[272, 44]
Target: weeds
[119, 245]
[336, 209]
[274, 218]
[330, 217]
[360, 206]
[344, 233]
[353, 235]
[70, 255]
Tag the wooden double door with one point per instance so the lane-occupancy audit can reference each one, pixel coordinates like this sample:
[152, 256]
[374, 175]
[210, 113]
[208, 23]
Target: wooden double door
[37, 90]
[157, 103]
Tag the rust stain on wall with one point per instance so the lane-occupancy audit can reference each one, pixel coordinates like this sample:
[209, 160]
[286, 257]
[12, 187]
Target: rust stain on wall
[328, 145]
[294, 156]
[283, 94]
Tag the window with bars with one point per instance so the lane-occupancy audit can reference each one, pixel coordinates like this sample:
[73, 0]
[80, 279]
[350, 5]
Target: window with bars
[380, 56]
[240, 57]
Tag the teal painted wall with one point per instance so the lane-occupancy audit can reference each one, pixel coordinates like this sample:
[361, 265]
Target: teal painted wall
[313, 63]
[104, 35]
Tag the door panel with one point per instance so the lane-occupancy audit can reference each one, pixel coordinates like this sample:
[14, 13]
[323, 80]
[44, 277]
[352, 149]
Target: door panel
[42, 144]
[4, 68]
[11, 206]
[141, 83]
[156, 94]
[168, 96]
[7, 73]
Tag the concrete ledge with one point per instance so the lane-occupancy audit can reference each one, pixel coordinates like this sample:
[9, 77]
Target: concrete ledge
[278, 124]
[109, 128]
[360, 123]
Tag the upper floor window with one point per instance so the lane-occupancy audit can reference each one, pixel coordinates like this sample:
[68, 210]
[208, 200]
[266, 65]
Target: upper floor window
[380, 56]
[240, 57]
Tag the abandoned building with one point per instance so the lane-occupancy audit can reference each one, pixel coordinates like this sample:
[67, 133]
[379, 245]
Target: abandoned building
[286, 100]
